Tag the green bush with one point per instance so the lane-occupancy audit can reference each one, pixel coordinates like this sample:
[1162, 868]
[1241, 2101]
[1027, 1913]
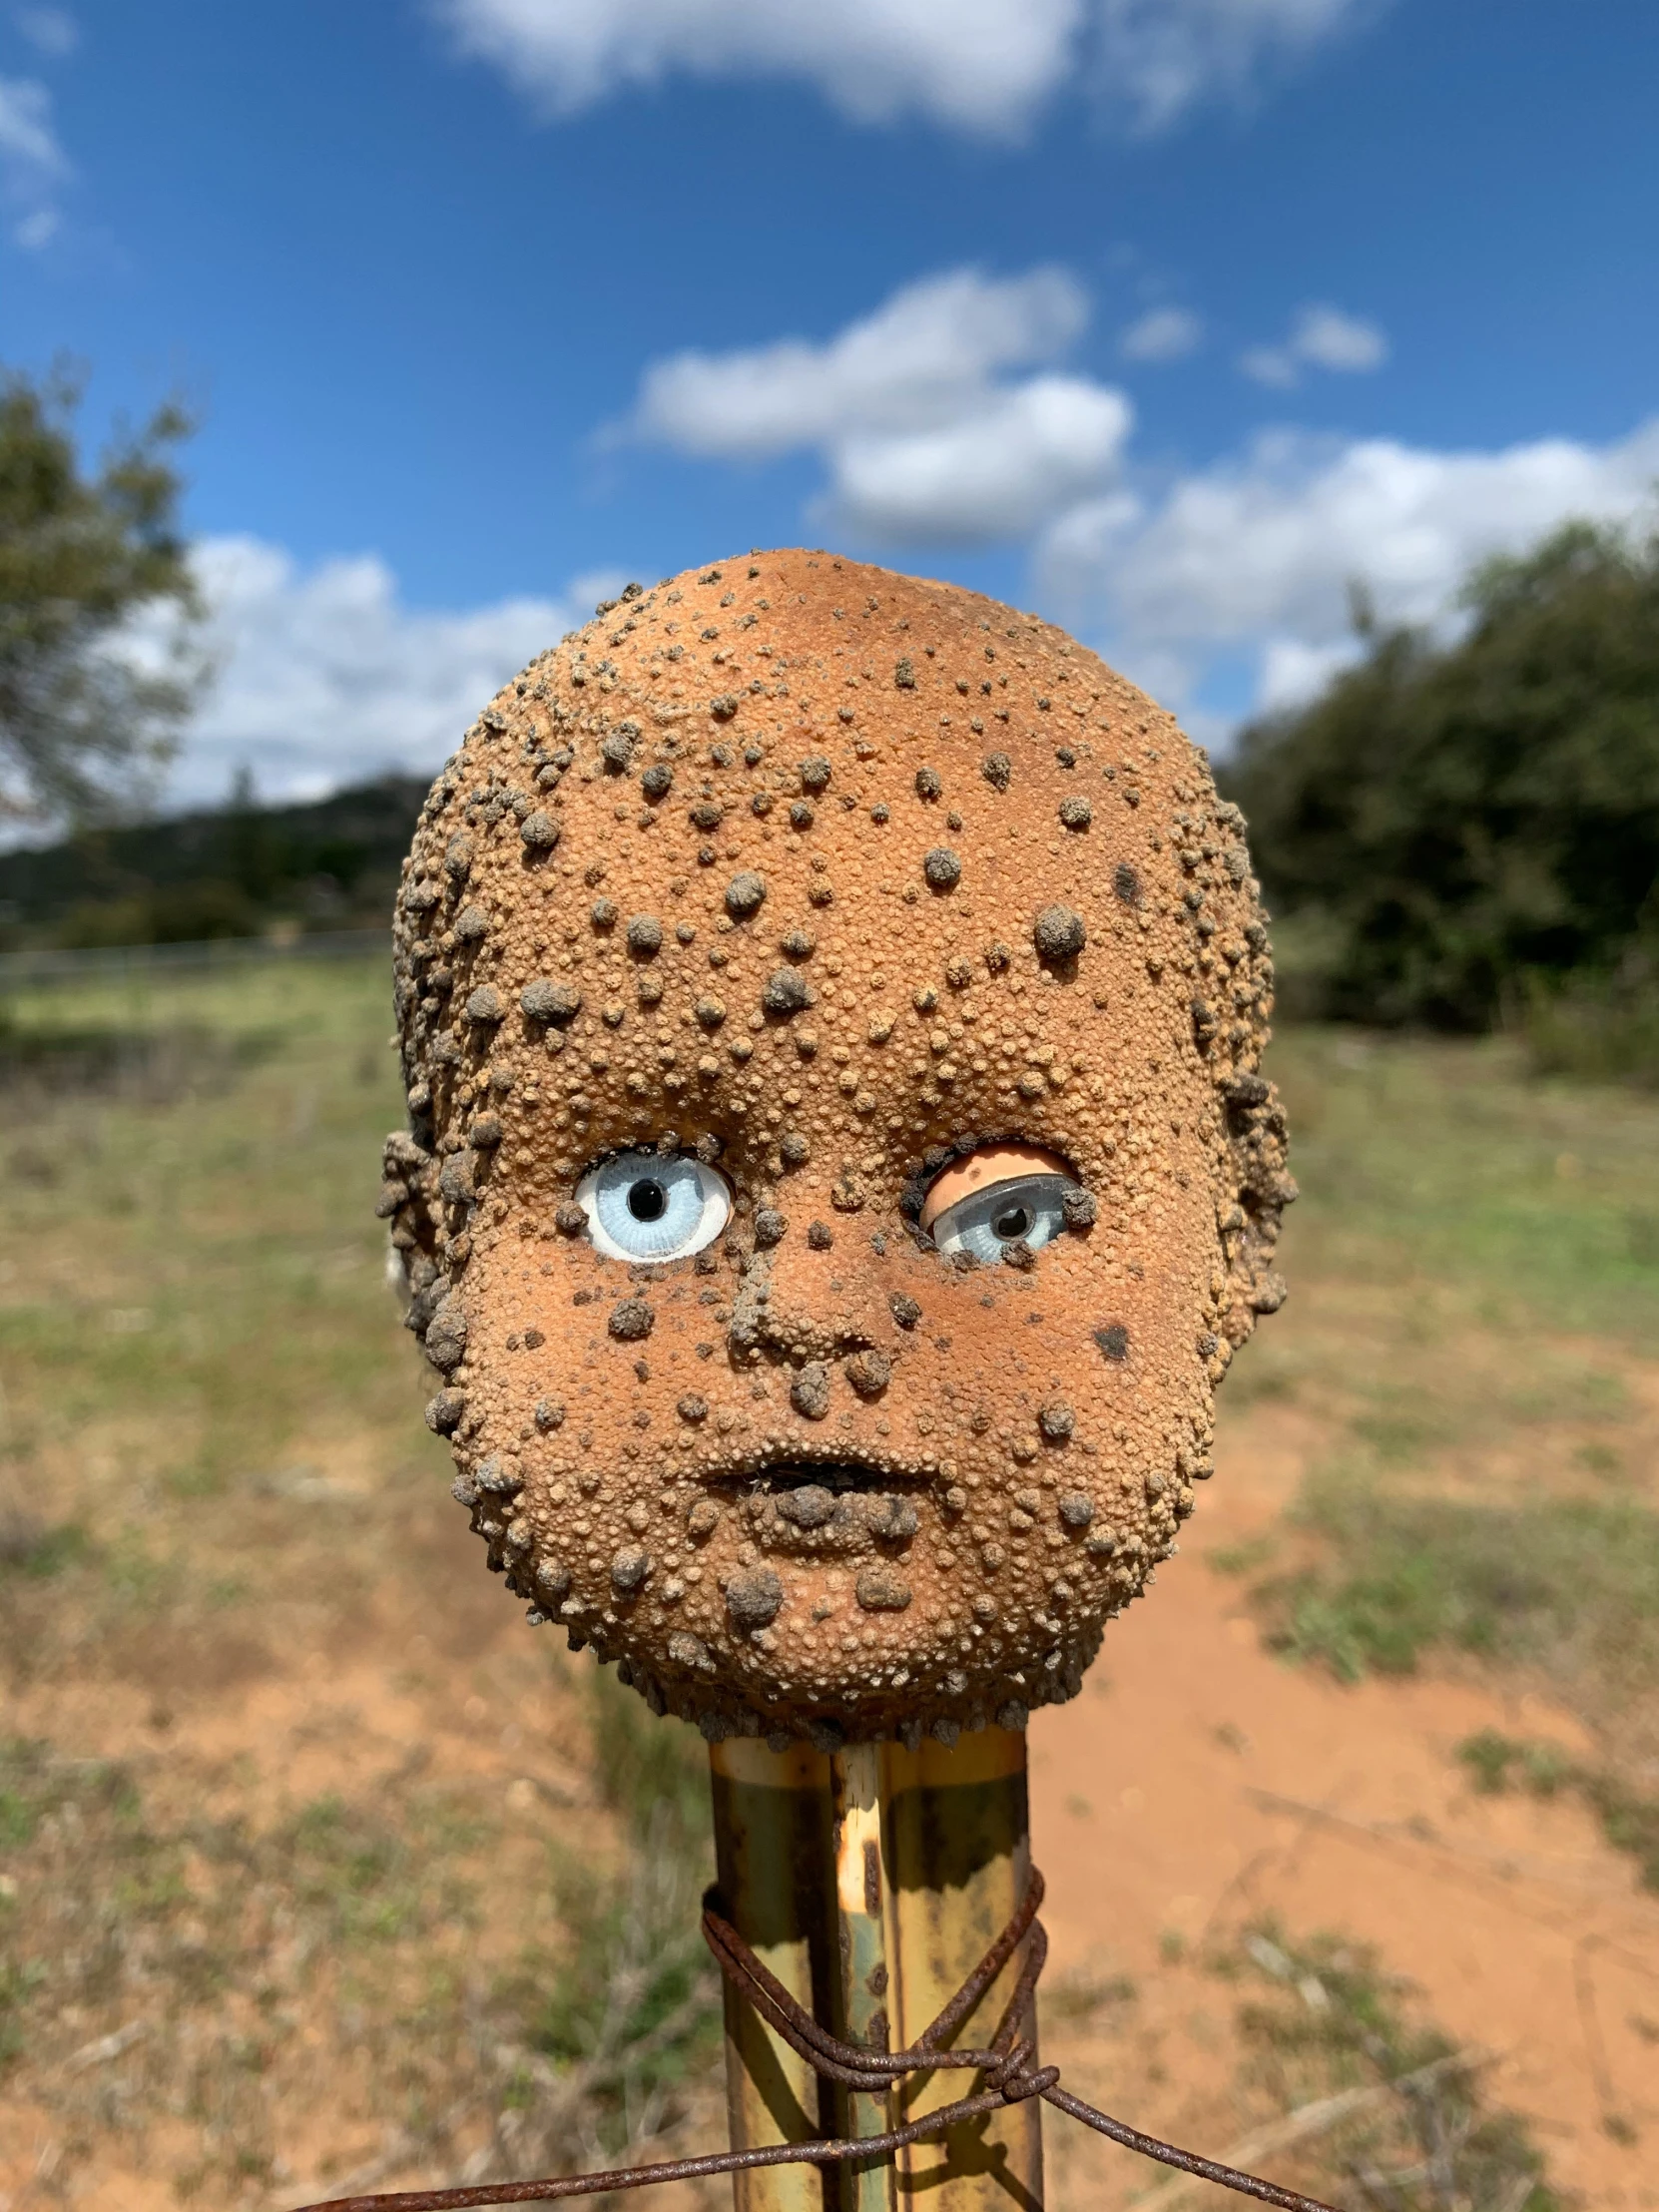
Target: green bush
[1450, 821]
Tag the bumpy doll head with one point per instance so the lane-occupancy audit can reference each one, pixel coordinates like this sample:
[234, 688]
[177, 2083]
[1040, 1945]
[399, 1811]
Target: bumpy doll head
[837, 1172]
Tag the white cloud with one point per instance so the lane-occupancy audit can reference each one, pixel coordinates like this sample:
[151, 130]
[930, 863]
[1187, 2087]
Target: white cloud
[325, 675]
[1160, 58]
[1162, 334]
[32, 163]
[995, 472]
[53, 31]
[982, 66]
[921, 434]
[1255, 557]
[924, 355]
[1320, 337]
[1330, 340]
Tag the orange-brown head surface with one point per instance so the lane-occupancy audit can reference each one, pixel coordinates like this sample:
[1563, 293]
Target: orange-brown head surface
[837, 1172]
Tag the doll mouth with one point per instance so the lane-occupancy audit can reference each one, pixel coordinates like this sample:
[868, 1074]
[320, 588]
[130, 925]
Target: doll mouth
[832, 1476]
[830, 1509]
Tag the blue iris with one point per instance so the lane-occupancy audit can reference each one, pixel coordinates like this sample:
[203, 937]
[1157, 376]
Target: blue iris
[1026, 1209]
[642, 1206]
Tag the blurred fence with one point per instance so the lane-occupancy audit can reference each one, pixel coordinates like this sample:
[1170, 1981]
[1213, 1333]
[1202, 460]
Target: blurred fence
[20, 970]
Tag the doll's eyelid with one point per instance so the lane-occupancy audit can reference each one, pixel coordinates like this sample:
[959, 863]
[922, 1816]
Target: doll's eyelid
[1018, 1171]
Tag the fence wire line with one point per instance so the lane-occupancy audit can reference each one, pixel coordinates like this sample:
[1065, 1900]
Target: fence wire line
[1006, 2065]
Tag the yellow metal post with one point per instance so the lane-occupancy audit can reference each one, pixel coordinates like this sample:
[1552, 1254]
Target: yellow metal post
[872, 1882]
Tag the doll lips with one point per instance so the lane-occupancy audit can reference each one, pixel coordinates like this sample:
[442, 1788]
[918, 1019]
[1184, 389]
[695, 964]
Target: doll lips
[829, 1509]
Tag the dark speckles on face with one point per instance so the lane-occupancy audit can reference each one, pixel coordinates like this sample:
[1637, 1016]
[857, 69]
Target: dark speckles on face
[631, 1320]
[809, 1391]
[785, 992]
[745, 894]
[1058, 933]
[942, 868]
[754, 1597]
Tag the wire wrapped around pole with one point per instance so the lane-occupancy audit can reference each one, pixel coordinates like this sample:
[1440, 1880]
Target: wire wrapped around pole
[1006, 2066]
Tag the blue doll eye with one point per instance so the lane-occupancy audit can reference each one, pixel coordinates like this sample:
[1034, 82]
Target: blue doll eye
[642, 1206]
[1024, 1209]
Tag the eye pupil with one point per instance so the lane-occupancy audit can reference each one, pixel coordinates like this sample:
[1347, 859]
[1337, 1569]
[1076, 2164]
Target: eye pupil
[1012, 1222]
[646, 1200]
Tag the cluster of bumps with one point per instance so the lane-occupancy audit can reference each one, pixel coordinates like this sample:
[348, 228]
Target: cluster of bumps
[829, 876]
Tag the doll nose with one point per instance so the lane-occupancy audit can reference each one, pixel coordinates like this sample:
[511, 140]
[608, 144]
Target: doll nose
[817, 1301]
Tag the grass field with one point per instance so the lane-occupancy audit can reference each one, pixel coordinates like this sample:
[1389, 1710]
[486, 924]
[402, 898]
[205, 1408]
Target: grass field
[317, 1869]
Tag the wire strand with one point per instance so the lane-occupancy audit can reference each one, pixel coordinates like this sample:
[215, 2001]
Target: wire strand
[1006, 2065]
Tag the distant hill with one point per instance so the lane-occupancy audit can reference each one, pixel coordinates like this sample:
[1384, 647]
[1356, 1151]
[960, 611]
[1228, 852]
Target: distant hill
[237, 872]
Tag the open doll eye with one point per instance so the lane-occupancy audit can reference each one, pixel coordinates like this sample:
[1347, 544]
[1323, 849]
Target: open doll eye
[997, 1197]
[641, 1206]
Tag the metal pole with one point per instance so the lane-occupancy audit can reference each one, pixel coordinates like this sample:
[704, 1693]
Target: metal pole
[872, 1882]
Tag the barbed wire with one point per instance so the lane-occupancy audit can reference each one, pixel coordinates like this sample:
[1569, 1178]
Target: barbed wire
[1007, 2065]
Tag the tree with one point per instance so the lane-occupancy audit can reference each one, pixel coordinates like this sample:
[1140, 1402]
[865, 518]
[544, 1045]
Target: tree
[1450, 821]
[89, 713]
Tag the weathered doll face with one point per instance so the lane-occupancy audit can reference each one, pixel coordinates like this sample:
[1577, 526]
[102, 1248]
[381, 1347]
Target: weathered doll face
[838, 1172]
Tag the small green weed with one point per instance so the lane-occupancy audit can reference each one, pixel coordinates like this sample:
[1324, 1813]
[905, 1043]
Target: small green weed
[1572, 1584]
[624, 2020]
[1415, 2133]
[1630, 1819]
[28, 1548]
[1497, 1763]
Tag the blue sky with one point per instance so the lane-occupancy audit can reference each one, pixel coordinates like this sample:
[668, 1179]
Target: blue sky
[1168, 318]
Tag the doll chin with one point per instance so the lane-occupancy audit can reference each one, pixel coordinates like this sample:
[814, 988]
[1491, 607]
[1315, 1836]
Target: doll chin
[905, 1704]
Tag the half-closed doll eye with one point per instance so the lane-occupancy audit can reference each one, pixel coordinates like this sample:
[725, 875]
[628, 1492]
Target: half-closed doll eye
[645, 1206]
[1001, 1195]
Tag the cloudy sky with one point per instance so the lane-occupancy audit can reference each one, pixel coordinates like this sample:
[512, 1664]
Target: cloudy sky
[1174, 320]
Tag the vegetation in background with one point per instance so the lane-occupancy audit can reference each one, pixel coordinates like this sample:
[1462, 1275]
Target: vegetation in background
[1571, 1584]
[626, 2019]
[1629, 1820]
[1452, 828]
[84, 728]
[1378, 2107]
[239, 871]
[212, 1473]
[214, 1946]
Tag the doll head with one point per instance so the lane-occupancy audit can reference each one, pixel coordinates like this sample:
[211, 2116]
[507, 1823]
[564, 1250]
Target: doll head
[838, 1173]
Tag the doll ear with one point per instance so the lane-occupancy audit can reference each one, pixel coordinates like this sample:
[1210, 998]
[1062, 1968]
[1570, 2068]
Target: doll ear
[979, 1169]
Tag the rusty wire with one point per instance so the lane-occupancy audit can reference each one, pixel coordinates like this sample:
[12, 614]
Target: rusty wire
[1006, 2065]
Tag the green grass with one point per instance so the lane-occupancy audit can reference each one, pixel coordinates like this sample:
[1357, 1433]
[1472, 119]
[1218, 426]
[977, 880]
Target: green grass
[1321, 2017]
[1446, 1169]
[1571, 1586]
[1630, 1818]
[628, 2013]
[196, 1214]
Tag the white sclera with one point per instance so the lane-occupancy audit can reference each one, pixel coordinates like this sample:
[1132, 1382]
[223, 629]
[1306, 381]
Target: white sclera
[1025, 1208]
[642, 1206]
